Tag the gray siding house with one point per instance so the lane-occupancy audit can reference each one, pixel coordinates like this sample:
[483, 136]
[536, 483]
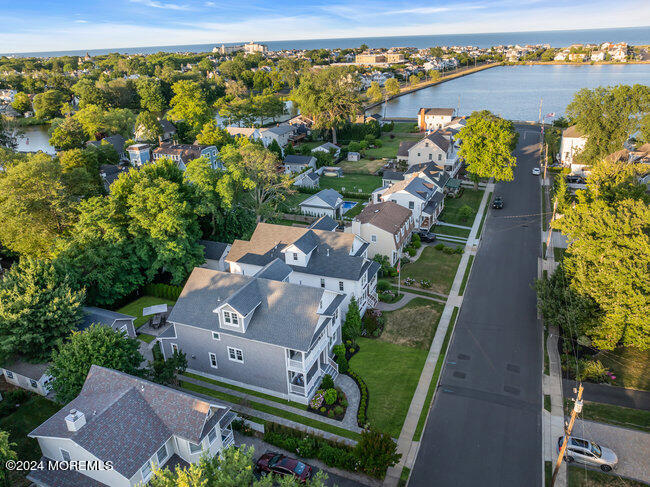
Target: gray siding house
[112, 319]
[135, 424]
[258, 332]
[326, 202]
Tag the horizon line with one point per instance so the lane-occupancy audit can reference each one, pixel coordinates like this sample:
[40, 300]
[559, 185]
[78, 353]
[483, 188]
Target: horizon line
[216, 43]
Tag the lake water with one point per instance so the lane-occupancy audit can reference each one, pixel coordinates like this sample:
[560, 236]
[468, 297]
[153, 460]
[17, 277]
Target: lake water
[35, 138]
[556, 38]
[514, 92]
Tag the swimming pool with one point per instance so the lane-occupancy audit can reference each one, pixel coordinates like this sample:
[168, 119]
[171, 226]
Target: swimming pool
[347, 205]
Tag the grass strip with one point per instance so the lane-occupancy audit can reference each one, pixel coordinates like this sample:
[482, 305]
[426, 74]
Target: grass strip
[637, 419]
[434, 379]
[419, 292]
[466, 276]
[404, 477]
[246, 391]
[297, 418]
[547, 402]
[579, 476]
[546, 364]
[145, 337]
[485, 212]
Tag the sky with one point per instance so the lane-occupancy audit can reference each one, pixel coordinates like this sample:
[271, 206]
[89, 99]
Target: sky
[52, 25]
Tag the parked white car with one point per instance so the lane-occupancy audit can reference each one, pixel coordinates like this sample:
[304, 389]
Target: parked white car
[536, 171]
[589, 453]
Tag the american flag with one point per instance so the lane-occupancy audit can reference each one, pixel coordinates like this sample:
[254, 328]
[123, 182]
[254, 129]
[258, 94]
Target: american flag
[552, 114]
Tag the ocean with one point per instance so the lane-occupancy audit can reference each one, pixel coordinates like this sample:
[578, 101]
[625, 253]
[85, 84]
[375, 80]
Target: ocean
[556, 38]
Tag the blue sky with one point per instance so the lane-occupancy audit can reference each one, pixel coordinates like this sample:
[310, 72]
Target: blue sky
[50, 25]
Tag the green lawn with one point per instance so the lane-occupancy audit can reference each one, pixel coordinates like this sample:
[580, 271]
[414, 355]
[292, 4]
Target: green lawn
[392, 373]
[365, 166]
[485, 212]
[631, 367]
[134, 308]
[352, 183]
[435, 265]
[414, 325]
[471, 198]
[403, 127]
[616, 415]
[580, 476]
[466, 275]
[292, 201]
[453, 231]
[18, 424]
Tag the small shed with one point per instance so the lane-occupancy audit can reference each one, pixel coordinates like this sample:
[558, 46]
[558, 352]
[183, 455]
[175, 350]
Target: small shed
[354, 156]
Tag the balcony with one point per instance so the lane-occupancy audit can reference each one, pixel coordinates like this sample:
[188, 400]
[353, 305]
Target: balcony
[227, 438]
[296, 389]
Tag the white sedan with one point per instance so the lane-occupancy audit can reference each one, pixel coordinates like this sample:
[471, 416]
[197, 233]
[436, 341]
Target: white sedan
[536, 171]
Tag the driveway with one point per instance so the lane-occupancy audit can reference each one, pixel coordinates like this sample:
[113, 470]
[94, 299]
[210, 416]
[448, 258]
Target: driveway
[632, 447]
[484, 428]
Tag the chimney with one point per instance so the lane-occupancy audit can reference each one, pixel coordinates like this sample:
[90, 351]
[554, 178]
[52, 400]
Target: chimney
[75, 420]
[328, 252]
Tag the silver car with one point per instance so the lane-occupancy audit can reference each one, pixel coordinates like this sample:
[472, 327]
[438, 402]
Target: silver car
[589, 453]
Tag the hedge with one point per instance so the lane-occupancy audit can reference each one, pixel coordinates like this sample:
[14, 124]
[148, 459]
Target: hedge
[362, 414]
[162, 291]
[332, 453]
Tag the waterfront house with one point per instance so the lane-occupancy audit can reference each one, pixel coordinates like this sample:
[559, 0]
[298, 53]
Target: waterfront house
[416, 193]
[318, 258]
[134, 424]
[327, 202]
[215, 254]
[295, 163]
[386, 226]
[139, 154]
[434, 118]
[182, 154]
[573, 141]
[260, 331]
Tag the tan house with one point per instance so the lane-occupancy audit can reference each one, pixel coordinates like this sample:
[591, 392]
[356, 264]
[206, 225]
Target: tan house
[387, 226]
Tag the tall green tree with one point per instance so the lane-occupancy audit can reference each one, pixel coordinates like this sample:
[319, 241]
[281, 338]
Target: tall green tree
[88, 93]
[375, 451]
[212, 134]
[21, 102]
[252, 179]
[607, 259]
[374, 92]
[189, 104]
[48, 105]
[352, 326]
[152, 97]
[608, 116]
[96, 345]
[203, 181]
[38, 307]
[615, 181]
[69, 134]
[7, 453]
[330, 97]
[488, 145]
[80, 173]
[392, 87]
[35, 207]
[147, 126]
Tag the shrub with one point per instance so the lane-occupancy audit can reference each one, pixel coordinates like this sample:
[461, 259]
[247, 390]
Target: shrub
[330, 413]
[459, 250]
[592, 371]
[354, 146]
[339, 350]
[373, 323]
[323, 409]
[344, 403]
[425, 283]
[411, 251]
[465, 212]
[317, 400]
[338, 410]
[448, 250]
[440, 246]
[328, 382]
[416, 241]
[342, 362]
[376, 452]
[383, 286]
[330, 396]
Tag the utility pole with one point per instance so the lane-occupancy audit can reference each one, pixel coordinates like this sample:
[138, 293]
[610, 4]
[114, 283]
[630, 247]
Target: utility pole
[550, 230]
[545, 159]
[577, 409]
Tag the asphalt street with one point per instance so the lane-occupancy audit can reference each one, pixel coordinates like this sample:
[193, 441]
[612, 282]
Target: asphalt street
[484, 428]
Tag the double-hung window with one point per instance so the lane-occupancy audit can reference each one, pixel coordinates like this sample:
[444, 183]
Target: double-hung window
[161, 455]
[236, 355]
[213, 360]
[341, 286]
[231, 318]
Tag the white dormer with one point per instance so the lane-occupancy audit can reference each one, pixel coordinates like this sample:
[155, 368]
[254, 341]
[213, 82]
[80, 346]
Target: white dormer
[75, 420]
[294, 256]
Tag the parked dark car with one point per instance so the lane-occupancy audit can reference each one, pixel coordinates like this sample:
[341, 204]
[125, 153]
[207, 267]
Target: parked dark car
[427, 237]
[497, 203]
[576, 180]
[278, 464]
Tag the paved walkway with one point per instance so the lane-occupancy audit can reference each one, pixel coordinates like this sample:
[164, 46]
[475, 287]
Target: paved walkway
[405, 444]
[351, 390]
[452, 225]
[631, 446]
[146, 350]
[428, 291]
[407, 298]
[275, 404]
[249, 411]
[553, 426]
[604, 393]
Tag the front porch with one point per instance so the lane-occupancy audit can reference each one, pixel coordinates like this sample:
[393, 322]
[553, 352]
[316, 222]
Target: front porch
[302, 381]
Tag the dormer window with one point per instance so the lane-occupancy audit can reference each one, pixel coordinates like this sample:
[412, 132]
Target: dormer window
[231, 318]
[295, 256]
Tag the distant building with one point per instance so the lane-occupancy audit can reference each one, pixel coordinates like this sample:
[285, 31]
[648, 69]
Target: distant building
[328, 148]
[307, 179]
[223, 49]
[117, 141]
[253, 47]
[295, 163]
[435, 118]
[573, 141]
[139, 154]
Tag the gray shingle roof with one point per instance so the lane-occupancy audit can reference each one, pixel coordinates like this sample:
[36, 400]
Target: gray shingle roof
[433, 203]
[307, 243]
[276, 270]
[61, 478]
[331, 258]
[438, 139]
[102, 316]
[287, 315]
[298, 160]
[246, 298]
[325, 223]
[213, 250]
[404, 147]
[392, 175]
[329, 196]
[128, 418]
[26, 369]
[280, 129]
[387, 215]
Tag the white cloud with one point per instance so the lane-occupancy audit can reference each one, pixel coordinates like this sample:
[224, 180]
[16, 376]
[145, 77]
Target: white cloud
[210, 4]
[81, 21]
[165, 6]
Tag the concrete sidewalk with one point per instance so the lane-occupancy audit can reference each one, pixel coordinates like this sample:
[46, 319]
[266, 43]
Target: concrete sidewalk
[405, 444]
[407, 298]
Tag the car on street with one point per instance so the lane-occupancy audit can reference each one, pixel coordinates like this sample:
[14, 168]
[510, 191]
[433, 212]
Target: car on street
[536, 171]
[497, 203]
[587, 452]
[279, 464]
[427, 237]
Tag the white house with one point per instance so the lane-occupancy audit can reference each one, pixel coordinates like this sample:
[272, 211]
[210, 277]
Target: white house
[573, 141]
[134, 424]
[295, 163]
[416, 193]
[434, 118]
[387, 226]
[318, 258]
[326, 202]
[328, 148]
[438, 147]
[32, 377]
